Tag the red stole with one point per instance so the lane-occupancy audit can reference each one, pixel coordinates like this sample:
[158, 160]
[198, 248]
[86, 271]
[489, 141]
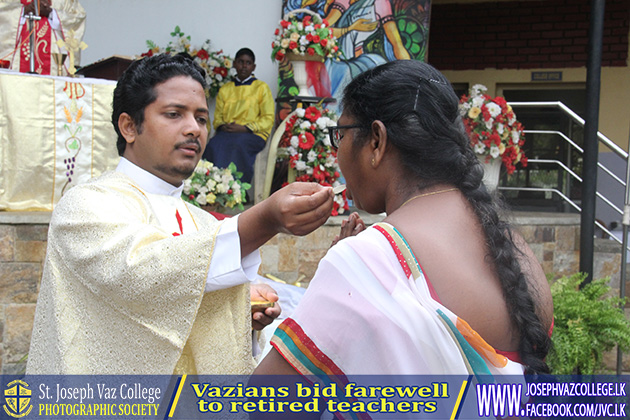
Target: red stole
[43, 39]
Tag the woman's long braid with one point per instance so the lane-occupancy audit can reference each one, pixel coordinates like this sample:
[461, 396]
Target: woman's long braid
[419, 108]
[534, 341]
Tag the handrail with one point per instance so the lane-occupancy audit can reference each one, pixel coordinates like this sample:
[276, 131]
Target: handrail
[609, 143]
[572, 143]
[568, 200]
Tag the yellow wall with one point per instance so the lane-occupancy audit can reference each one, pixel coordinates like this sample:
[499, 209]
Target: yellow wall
[614, 108]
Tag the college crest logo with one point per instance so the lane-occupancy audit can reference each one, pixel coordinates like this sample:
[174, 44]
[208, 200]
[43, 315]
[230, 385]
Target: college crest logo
[17, 396]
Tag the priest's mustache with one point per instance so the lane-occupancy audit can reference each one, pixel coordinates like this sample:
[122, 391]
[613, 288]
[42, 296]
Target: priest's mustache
[191, 140]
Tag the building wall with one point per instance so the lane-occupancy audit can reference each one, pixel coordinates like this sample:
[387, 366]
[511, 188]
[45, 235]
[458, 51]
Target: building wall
[499, 44]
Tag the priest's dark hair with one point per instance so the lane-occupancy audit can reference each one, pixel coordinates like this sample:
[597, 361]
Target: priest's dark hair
[245, 51]
[419, 108]
[136, 87]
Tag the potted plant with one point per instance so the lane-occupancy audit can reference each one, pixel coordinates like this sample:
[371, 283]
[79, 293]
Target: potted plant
[300, 40]
[215, 189]
[495, 134]
[306, 145]
[217, 65]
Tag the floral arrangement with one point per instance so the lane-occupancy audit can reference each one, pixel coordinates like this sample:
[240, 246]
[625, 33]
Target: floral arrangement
[212, 185]
[217, 65]
[493, 129]
[310, 35]
[306, 144]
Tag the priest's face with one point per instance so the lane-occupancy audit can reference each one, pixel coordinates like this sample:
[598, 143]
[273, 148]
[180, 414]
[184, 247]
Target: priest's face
[170, 141]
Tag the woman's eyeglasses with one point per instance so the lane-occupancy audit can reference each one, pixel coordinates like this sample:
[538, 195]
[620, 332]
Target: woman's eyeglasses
[335, 136]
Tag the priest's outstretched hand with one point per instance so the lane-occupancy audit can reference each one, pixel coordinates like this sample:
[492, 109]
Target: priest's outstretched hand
[297, 209]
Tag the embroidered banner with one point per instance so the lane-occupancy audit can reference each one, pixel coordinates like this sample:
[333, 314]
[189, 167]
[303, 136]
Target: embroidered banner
[55, 132]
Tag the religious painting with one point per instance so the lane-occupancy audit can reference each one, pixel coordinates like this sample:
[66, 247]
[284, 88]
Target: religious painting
[369, 33]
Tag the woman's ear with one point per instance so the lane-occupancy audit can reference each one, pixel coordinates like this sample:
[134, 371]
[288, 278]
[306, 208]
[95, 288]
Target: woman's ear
[127, 127]
[378, 142]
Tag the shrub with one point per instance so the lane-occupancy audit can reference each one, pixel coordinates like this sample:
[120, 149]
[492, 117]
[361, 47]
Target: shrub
[587, 322]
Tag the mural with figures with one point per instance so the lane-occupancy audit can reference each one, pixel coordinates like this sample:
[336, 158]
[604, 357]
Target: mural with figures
[369, 33]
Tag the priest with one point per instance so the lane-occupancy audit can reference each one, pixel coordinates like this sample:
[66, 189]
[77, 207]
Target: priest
[57, 20]
[137, 281]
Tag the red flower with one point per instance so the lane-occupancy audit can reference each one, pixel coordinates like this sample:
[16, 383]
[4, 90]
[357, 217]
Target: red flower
[147, 54]
[323, 42]
[306, 141]
[203, 54]
[317, 26]
[307, 20]
[220, 70]
[284, 24]
[316, 39]
[279, 56]
[325, 22]
[309, 37]
[312, 114]
[310, 51]
[292, 45]
[277, 32]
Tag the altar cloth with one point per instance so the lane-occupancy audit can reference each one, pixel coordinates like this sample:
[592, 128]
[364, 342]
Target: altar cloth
[55, 132]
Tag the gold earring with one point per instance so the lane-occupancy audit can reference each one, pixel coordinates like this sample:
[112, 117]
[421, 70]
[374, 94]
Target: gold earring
[372, 161]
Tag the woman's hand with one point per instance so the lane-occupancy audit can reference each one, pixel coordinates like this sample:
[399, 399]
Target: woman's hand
[350, 227]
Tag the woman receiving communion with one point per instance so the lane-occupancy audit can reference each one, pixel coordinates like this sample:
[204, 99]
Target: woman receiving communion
[443, 285]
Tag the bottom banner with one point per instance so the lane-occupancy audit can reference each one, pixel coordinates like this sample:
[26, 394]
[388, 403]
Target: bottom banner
[325, 397]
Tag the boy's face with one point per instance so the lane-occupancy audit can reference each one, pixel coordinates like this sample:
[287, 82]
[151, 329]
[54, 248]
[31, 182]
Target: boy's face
[244, 66]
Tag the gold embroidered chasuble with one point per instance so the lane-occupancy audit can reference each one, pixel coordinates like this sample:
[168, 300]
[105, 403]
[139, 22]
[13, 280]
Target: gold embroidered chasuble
[123, 289]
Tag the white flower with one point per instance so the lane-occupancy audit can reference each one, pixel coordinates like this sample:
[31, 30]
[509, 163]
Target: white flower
[494, 151]
[323, 25]
[203, 190]
[478, 101]
[480, 148]
[213, 63]
[300, 112]
[284, 43]
[516, 136]
[326, 141]
[292, 150]
[218, 77]
[300, 26]
[309, 170]
[295, 142]
[463, 108]
[305, 125]
[311, 156]
[309, 28]
[489, 123]
[300, 165]
[303, 40]
[500, 128]
[322, 122]
[201, 199]
[478, 89]
[493, 109]
[187, 186]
